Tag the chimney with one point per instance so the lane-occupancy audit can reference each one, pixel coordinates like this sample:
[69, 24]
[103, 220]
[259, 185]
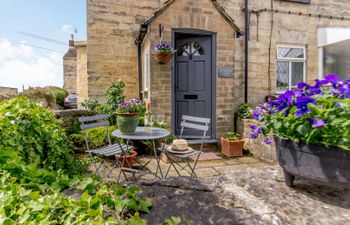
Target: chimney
[71, 41]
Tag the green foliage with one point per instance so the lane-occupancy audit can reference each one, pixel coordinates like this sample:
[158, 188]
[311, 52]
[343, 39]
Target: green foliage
[35, 134]
[115, 95]
[95, 107]
[177, 221]
[30, 195]
[59, 94]
[232, 136]
[54, 96]
[244, 111]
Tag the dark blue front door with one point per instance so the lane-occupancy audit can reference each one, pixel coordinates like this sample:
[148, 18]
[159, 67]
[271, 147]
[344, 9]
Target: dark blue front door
[193, 80]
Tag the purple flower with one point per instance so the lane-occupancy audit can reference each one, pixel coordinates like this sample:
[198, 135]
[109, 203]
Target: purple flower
[333, 78]
[256, 115]
[253, 136]
[257, 130]
[316, 123]
[285, 100]
[339, 104]
[267, 141]
[302, 105]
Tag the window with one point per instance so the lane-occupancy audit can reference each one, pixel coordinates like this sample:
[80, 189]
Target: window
[290, 67]
[191, 49]
[146, 69]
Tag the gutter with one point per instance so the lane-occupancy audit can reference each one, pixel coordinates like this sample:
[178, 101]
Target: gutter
[246, 49]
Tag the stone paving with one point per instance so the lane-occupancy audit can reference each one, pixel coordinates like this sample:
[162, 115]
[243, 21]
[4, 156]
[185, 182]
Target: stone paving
[242, 191]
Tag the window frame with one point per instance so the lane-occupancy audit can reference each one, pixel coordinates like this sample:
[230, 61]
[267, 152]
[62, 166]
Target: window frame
[290, 61]
[146, 69]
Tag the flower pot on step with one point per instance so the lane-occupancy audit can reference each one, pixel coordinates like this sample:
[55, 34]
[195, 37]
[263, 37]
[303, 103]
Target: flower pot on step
[232, 148]
[127, 160]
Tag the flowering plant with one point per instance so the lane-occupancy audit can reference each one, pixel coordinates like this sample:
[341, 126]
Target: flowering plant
[164, 48]
[131, 106]
[318, 114]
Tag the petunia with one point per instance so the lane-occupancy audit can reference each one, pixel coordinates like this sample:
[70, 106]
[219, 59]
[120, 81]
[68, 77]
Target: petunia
[302, 105]
[316, 123]
[253, 136]
[339, 104]
[267, 141]
[333, 78]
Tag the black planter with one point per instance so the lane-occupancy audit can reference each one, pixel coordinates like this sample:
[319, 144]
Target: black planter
[328, 166]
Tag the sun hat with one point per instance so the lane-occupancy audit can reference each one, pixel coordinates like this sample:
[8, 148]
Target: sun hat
[179, 145]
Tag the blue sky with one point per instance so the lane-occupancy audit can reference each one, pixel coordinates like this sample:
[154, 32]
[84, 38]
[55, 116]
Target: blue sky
[21, 64]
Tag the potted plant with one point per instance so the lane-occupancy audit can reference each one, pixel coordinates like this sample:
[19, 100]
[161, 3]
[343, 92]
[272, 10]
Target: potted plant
[128, 115]
[243, 118]
[127, 160]
[232, 144]
[312, 131]
[163, 52]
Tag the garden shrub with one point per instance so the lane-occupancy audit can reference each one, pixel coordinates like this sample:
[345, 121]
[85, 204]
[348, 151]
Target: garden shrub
[59, 94]
[32, 195]
[35, 134]
[51, 97]
[244, 111]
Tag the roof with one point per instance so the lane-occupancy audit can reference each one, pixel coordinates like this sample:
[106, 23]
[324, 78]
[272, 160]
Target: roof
[71, 53]
[215, 3]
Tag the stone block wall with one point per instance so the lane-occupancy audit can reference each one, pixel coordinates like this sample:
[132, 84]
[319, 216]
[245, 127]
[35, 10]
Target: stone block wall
[286, 29]
[70, 78]
[112, 54]
[82, 76]
[203, 15]
[8, 91]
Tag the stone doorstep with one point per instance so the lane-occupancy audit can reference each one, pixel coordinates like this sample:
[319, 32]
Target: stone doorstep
[205, 156]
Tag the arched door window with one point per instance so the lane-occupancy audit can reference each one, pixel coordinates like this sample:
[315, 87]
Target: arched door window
[190, 49]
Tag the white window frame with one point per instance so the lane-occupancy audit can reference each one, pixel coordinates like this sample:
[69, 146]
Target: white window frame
[146, 68]
[290, 61]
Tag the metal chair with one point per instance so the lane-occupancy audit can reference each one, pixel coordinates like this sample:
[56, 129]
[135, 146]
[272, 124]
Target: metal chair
[194, 123]
[109, 150]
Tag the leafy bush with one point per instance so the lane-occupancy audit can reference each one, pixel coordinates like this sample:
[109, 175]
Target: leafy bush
[244, 111]
[59, 94]
[53, 96]
[232, 136]
[35, 134]
[30, 195]
[318, 114]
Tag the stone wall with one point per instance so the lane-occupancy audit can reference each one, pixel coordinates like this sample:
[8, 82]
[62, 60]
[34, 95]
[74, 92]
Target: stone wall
[203, 15]
[82, 76]
[286, 29]
[112, 54]
[70, 78]
[8, 91]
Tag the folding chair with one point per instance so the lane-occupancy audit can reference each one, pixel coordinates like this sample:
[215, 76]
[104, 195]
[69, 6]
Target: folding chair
[107, 151]
[192, 123]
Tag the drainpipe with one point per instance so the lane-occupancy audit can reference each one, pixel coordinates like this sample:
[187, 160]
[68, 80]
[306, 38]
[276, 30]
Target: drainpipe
[246, 53]
[140, 36]
[139, 66]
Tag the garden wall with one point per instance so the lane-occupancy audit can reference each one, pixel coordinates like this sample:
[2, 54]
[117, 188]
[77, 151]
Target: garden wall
[257, 146]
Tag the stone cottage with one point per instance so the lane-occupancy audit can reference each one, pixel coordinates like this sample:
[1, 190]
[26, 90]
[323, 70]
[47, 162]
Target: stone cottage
[288, 41]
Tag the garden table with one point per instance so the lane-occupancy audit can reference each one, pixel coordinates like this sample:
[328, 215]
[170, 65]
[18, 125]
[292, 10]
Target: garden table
[144, 134]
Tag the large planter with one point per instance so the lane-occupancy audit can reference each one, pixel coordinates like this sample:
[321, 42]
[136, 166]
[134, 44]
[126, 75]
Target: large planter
[127, 122]
[232, 148]
[329, 166]
[162, 57]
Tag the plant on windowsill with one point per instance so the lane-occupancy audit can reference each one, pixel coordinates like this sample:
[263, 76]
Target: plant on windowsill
[163, 52]
[232, 144]
[312, 131]
[128, 115]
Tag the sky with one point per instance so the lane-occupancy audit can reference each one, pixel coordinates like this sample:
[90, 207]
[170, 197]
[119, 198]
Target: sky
[28, 61]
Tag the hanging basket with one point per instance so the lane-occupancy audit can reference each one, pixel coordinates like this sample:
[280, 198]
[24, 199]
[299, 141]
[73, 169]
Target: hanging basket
[162, 57]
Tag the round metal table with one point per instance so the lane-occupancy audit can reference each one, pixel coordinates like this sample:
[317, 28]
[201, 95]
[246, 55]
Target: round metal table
[146, 134]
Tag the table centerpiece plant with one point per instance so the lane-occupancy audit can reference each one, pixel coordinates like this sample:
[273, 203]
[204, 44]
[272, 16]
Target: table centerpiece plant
[311, 126]
[128, 113]
[163, 52]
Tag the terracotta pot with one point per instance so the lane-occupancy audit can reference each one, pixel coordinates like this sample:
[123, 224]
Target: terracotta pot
[232, 148]
[129, 159]
[162, 57]
[127, 122]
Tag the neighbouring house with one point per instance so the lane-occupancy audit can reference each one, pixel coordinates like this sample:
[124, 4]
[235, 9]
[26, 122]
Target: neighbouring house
[70, 68]
[8, 91]
[289, 41]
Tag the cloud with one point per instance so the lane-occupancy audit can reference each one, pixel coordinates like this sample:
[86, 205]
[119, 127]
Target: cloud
[67, 29]
[21, 66]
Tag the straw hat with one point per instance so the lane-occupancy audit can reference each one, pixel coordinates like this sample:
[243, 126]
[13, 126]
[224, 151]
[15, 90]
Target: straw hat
[180, 146]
